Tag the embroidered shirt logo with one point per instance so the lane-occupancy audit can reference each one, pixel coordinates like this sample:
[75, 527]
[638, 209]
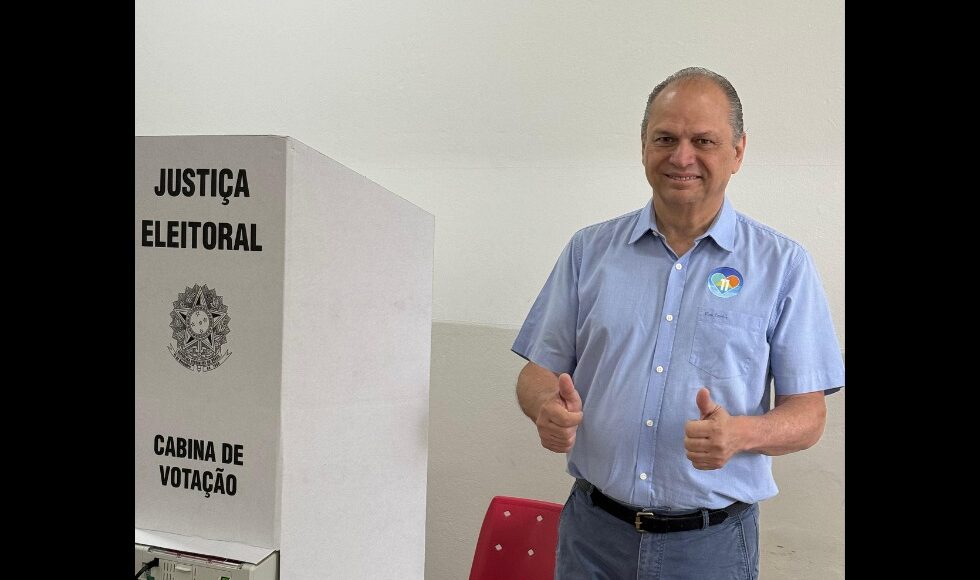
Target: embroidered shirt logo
[725, 282]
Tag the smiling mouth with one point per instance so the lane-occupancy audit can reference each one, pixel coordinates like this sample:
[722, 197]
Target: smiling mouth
[683, 177]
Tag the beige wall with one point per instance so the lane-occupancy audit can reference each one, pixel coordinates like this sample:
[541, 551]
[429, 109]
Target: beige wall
[481, 445]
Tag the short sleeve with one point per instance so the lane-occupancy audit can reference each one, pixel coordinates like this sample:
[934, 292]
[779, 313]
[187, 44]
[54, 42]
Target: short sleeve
[547, 337]
[804, 352]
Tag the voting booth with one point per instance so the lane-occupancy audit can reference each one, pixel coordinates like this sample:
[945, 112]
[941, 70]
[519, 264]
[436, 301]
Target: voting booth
[283, 322]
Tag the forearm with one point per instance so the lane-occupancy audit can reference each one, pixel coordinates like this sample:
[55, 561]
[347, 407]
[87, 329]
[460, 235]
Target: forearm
[535, 385]
[796, 423]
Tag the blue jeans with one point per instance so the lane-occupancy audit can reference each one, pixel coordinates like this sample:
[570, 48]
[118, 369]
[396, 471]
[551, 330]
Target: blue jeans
[594, 545]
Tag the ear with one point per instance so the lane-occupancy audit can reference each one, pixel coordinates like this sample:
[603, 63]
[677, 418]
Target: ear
[739, 153]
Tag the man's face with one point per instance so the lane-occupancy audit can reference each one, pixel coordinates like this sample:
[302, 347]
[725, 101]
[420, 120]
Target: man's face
[689, 153]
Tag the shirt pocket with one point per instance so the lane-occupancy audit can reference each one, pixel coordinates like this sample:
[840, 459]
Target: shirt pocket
[725, 342]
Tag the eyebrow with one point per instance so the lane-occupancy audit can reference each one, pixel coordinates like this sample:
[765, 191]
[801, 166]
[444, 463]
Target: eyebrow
[711, 134]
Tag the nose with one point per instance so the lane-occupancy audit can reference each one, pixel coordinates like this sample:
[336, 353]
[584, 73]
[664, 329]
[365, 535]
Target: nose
[683, 154]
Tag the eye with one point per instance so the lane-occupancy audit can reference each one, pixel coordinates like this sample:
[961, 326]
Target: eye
[663, 140]
[703, 142]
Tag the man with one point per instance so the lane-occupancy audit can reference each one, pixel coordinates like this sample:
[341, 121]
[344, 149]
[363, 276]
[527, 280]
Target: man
[651, 350]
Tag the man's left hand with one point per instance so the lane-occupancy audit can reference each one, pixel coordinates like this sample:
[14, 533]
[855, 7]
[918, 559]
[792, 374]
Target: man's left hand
[711, 441]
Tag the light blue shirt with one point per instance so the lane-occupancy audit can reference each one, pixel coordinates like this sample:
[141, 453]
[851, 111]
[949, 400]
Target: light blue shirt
[641, 331]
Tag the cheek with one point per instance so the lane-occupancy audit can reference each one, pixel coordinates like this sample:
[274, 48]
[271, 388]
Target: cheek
[651, 161]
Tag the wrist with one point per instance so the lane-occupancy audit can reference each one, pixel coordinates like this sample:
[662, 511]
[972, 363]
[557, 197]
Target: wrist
[747, 433]
[533, 400]
[540, 401]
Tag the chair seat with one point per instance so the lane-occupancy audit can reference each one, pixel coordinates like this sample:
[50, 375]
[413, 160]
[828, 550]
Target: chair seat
[517, 540]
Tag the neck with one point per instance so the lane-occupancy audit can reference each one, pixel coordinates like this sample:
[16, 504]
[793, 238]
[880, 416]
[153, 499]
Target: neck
[682, 225]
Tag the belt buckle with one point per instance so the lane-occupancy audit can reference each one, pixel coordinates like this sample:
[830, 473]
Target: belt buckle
[638, 521]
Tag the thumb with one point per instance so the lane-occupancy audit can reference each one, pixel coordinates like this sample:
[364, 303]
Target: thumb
[568, 394]
[705, 404]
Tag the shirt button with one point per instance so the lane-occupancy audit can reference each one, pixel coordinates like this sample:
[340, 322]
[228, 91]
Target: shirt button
[670, 317]
[660, 369]
[643, 476]
[678, 266]
[649, 422]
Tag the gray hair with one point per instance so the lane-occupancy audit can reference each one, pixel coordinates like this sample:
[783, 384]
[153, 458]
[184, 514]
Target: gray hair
[734, 104]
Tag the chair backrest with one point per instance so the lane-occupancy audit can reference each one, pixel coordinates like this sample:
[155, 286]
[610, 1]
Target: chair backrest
[517, 540]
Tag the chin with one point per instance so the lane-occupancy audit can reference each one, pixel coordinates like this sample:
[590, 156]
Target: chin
[681, 197]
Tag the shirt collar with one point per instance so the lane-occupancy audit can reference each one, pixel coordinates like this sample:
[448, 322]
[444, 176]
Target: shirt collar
[722, 230]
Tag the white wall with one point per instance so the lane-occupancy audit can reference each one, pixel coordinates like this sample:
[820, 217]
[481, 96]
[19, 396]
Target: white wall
[514, 122]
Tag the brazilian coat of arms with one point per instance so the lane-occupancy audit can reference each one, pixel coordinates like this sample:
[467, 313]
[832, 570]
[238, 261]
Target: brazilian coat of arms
[199, 321]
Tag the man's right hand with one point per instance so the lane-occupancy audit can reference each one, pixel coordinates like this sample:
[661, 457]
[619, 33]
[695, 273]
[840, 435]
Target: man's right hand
[560, 416]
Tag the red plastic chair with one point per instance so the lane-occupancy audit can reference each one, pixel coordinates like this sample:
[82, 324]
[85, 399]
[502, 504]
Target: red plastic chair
[517, 540]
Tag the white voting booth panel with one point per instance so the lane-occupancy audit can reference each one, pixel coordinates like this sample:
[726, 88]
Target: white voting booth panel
[283, 322]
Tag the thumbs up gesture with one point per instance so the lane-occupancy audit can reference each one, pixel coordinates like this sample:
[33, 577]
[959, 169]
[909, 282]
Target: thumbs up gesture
[560, 417]
[710, 441]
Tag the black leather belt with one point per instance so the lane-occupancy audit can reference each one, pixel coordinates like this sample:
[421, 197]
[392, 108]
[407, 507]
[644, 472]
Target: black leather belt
[661, 524]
